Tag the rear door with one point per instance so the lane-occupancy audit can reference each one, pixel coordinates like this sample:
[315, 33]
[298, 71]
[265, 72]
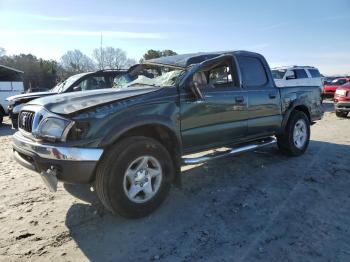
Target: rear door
[221, 117]
[264, 105]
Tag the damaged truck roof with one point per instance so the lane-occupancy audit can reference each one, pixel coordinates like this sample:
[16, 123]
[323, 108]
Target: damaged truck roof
[186, 60]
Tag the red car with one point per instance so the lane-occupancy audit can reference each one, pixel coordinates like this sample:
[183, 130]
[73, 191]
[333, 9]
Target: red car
[342, 100]
[329, 90]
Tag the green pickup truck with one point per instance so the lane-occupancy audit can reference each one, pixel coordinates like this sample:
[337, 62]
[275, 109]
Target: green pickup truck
[129, 142]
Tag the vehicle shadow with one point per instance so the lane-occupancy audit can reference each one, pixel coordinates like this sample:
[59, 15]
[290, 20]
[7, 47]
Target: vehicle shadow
[223, 208]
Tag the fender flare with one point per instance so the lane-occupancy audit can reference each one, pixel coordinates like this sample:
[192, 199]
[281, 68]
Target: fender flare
[289, 111]
[126, 125]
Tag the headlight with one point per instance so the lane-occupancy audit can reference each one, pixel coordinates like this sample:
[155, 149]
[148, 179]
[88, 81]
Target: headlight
[54, 129]
[340, 92]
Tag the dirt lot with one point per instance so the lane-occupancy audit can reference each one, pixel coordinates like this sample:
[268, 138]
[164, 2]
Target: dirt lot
[258, 206]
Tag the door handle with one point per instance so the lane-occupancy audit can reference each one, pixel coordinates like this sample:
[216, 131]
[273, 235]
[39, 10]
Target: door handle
[272, 96]
[239, 99]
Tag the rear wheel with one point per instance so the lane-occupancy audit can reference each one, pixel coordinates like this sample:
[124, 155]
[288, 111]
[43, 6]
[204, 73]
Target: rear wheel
[133, 177]
[297, 136]
[341, 114]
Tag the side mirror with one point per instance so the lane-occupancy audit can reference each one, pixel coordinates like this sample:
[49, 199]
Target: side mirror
[194, 87]
[76, 88]
[290, 75]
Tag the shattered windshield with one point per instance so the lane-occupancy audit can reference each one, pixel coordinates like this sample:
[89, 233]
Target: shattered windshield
[149, 75]
[278, 74]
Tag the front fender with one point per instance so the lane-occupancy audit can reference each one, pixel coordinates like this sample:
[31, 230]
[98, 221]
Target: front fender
[128, 124]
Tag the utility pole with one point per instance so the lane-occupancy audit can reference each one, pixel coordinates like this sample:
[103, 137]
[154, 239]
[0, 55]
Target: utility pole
[101, 53]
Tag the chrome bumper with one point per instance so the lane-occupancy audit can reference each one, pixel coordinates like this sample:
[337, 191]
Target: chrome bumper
[69, 164]
[47, 151]
[342, 105]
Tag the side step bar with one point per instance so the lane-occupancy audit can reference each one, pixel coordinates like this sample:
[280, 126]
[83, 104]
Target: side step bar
[230, 152]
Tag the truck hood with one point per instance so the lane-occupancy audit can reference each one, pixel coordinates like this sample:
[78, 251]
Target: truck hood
[69, 103]
[29, 95]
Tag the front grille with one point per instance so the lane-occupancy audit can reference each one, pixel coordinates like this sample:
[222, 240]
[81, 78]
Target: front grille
[25, 121]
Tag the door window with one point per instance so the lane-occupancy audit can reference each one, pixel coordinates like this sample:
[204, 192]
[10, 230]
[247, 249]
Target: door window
[253, 71]
[92, 83]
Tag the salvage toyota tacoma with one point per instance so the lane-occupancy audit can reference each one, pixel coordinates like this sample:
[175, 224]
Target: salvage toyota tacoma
[129, 142]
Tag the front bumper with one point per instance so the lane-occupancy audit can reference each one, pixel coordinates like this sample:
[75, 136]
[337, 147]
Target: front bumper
[328, 94]
[73, 164]
[342, 106]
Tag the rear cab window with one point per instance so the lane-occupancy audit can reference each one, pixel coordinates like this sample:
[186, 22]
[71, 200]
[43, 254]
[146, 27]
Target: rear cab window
[253, 71]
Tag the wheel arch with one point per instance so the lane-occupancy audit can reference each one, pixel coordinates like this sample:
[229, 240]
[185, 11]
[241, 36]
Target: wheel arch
[298, 107]
[161, 131]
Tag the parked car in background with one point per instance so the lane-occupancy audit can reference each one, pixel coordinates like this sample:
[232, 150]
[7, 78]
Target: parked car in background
[328, 79]
[297, 76]
[329, 89]
[11, 83]
[129, 142]
[342, 100]
[80, 82]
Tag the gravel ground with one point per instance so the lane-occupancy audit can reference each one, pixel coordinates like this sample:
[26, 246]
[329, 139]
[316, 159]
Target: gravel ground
[257, 206]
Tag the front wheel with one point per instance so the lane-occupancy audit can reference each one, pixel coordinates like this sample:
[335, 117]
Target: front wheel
[134, 177]
[341, 114]
[297, 135]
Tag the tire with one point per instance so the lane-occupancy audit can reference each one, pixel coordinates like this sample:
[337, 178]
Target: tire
[113, 185]
[341, 114]
[289, 144]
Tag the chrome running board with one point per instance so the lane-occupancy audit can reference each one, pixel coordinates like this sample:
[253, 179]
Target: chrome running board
[231, 152]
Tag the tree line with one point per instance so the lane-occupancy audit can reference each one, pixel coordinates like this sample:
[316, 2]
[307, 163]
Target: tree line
[45, 74]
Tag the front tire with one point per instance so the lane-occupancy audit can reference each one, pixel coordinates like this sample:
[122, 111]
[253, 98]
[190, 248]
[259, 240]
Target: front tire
[341, 114]
[134, 177]
[297, 135]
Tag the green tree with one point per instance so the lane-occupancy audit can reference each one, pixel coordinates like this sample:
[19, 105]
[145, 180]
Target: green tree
[38, 73]
[151, 54]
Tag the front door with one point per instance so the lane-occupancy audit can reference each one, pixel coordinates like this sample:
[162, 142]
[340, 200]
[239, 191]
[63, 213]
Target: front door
[221, 116]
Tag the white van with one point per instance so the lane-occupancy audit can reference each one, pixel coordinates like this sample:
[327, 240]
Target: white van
[297, 76]
[11, 83]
